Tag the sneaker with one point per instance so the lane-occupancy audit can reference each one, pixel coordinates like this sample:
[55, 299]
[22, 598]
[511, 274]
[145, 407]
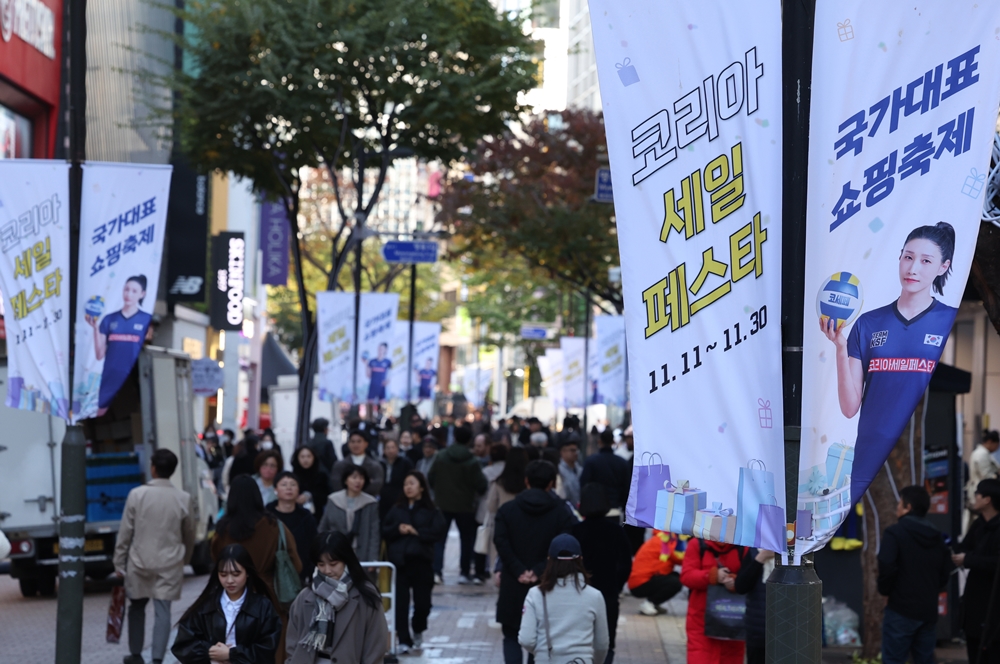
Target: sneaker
[476, 581]
[464, 580]
[403, 649]
[418, 640]
[438, 581]
[647, 608]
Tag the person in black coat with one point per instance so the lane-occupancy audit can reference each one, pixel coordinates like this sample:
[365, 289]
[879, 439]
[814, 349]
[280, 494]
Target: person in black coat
[979, 552]
[913, 567]
[607, 554]
[396, 467]
[411, 528]
[314, 480]
[523, 529]
[609, 470]
[250, 633]
[322, 446]
[299, 521]
[751, 580]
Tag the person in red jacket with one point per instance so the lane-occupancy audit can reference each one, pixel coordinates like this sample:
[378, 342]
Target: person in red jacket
[716, 564]
[653, 577]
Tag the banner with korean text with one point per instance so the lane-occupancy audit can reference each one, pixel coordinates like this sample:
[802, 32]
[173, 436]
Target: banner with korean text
[34, 280]
[904, 109]
[376, 329]
[692, 106]
[335, 320]
[609, 367]
[575, 390]
[423, 368]
[123, 216]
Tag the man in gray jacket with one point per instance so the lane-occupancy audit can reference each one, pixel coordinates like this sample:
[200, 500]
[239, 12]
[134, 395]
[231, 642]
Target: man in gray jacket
[155, 539]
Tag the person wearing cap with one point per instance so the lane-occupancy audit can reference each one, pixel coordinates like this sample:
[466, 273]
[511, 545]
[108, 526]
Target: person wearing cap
[564, 616]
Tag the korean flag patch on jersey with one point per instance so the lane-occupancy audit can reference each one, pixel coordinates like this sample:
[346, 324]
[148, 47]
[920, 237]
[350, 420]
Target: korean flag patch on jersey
[933, 339]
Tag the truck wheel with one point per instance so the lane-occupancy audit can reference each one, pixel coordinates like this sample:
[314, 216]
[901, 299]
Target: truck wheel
[29, 586]
[46, 585]
[201, 559]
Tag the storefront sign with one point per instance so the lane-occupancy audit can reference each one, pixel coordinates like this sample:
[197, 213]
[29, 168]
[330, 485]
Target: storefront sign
[228, 266]
[187, 234]
[274, 238]
[32, 21]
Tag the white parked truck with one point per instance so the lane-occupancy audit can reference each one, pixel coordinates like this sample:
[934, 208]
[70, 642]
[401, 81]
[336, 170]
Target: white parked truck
[153, 410]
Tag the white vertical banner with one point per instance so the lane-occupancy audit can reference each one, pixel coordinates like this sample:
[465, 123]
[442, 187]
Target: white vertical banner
[610, 365]
[335, 320]
[426, 354]
[34, 280]
[904, 109]
[594, 395]
[692, 107]
[376, 331]
[575, 391]
[554, 384]
[399, 353]
[123, 218]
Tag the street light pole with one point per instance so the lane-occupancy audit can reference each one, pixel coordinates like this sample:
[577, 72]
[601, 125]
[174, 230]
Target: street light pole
[73, 482]
[794, 591]
[413, 315]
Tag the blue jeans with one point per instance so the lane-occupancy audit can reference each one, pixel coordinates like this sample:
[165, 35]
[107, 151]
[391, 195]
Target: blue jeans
[902, 636]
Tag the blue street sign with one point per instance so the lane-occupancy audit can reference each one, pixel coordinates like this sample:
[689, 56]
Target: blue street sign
[533, 333]
[602, 186]
[400, 251]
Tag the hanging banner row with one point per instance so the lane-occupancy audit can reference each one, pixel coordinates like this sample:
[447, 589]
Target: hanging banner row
[123, 218]
[384, 370]
[898, 157]
[562, 368]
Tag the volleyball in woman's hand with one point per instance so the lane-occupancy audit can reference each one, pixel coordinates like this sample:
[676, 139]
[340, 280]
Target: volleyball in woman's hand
[840, 299]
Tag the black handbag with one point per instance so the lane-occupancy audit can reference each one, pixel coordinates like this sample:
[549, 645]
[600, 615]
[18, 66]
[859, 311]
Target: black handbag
[725, 612]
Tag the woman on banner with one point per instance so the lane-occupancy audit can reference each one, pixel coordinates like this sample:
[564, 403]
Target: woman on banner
[885, 363]
[119, 338]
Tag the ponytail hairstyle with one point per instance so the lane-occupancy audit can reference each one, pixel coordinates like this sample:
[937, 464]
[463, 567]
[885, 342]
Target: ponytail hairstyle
[338, 547]
[232, 555]
[943, 235]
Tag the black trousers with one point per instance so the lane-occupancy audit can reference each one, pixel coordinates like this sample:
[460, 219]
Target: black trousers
[611, 609]
[466, 522]
[659, 589]
[636, 536]
[416, 576]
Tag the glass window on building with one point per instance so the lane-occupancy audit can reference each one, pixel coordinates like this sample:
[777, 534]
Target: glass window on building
[15, 135]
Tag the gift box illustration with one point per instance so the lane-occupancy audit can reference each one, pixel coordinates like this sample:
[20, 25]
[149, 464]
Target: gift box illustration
[649, 477]
[973, 185]
[716, 524]
[627, 72]
[764, 414]
[756, 484]
[845, 30]
[839, 462]
[676, 506]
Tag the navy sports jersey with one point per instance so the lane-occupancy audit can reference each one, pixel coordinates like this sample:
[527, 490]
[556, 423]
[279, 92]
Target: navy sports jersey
[125, 339]
[380, 371]
[426, 378]
[898, 358]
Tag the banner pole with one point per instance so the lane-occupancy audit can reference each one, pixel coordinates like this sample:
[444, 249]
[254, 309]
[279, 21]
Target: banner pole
[73, 485]
[794, 591]
[413, 315]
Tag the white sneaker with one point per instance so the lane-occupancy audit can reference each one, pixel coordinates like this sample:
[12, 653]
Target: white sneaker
[438, 581]
[476, 581]
[464, 580]
[403, 649]
[647, 608]
[418, 640]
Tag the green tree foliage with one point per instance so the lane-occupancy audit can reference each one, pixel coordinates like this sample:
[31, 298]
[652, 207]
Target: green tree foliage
[530, 197]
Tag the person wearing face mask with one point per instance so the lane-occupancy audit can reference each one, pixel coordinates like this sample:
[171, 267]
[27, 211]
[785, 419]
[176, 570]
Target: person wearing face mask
[267, 464]
[267, 441]
[357, 447]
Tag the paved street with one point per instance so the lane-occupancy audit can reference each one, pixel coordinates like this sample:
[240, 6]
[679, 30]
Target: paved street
[462, 629]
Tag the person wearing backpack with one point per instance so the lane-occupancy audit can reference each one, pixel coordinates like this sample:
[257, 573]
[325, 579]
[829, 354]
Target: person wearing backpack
[707, 565]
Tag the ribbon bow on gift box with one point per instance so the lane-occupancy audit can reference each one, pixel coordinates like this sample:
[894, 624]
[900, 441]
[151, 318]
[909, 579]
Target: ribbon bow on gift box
[680, 486]
[624, 63]
[846, 23]
[717, 510]
[763, 404]
[977, 176]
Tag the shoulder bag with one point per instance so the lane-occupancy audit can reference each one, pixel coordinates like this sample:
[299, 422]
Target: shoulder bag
[286, 580]
[484, 534]
[724, 611]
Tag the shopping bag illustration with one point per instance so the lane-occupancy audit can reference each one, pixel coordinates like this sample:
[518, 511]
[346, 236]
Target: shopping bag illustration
[756, 484]
[651, 476]
[769, 533]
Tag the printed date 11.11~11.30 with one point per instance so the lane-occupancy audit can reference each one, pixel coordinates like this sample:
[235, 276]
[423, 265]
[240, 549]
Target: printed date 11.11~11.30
[691, 360]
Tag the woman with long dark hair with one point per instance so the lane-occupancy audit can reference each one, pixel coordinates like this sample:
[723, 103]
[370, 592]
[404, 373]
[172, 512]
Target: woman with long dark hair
[234, 619]
[411, 528]
[314, 480]
[564, 618]
[339, 616]
[246, 522]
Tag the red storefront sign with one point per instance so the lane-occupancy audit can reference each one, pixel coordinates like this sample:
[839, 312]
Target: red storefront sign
[30, 66]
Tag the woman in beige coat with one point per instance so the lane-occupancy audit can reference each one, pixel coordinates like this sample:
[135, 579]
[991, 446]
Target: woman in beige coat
[339, 616]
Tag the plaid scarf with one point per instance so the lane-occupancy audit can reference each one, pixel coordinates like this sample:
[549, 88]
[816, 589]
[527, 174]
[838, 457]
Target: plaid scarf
[331, 596]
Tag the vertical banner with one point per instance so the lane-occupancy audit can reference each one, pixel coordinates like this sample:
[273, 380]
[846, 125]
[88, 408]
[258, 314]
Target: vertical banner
[426, 353]
[225, 305]
[275, 235]
[476, 382]
[399, 353]
[610, 368]
[555, 384]
[187, 233]
[594, 395]
[377, 330]
[898, 159]
[692, 107]
[123, 217]
[34, 280]
[572, 348]
[335, 319]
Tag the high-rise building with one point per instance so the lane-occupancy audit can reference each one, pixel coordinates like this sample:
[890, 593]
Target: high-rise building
[582, 88]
